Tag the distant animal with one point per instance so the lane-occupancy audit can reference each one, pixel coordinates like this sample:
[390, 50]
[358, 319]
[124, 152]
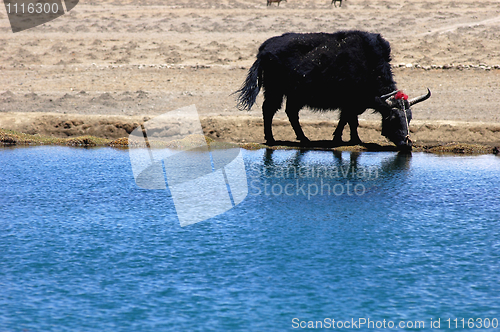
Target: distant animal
[270, 1]
[335, 3]
[346, 70]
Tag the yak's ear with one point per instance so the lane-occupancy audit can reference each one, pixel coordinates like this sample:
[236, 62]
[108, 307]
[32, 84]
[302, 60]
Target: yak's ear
[381, 103]
[378, 100]
[382, 106]
[386, 100]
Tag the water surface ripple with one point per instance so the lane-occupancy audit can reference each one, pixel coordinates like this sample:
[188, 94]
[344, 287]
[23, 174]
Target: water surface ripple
[82, 248]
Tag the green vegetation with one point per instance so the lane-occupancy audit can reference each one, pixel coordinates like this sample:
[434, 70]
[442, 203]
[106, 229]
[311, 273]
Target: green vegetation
[9, 137]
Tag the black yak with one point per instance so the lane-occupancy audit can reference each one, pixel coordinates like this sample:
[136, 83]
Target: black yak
[334, 2]
[270, 1]
[347, 70]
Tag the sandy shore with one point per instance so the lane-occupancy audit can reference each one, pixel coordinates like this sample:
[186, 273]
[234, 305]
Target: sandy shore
[107, 66]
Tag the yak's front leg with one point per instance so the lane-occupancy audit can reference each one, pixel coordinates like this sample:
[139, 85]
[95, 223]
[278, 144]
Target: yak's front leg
[352, 120]
[292, 110]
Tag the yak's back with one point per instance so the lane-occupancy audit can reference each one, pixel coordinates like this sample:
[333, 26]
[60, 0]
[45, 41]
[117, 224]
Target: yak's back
[314, 63]
[292, 49]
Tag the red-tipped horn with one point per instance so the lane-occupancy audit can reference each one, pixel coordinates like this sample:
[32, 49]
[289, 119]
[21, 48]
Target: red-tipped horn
[420, 99]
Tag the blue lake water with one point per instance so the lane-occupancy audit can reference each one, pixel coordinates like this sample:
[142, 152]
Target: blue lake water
[391, 237]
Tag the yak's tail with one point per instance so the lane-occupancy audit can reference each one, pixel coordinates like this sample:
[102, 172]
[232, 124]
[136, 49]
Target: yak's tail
[248, 92]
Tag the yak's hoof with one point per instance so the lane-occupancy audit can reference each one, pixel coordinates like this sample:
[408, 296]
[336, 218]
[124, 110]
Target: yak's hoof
[405, 148]
[337, 141]
[355, 142]
[270, 142]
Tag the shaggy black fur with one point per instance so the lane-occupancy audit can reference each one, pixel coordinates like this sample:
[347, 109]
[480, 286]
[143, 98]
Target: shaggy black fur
[347, 70]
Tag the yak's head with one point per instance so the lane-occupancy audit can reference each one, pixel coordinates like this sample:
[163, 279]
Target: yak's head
[396, 116]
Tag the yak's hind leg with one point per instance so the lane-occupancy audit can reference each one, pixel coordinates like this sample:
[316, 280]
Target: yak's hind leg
[337, 134]
[272, 103]
[292, 110]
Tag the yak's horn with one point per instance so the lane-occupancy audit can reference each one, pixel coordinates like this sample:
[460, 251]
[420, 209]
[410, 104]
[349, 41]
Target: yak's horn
[421, 98]
[384, 97]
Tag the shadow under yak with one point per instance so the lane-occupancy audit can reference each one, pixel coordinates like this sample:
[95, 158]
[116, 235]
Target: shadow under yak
[329, 144]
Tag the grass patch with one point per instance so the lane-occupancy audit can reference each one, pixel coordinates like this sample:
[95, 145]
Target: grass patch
[87, 141]
[10, 137]
[461, 148]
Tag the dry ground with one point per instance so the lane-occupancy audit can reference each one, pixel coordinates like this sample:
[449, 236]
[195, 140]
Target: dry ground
[108, 65]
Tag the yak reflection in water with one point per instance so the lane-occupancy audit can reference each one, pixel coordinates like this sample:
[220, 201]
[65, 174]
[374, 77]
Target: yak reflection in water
[327, 173]
[389, 164]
